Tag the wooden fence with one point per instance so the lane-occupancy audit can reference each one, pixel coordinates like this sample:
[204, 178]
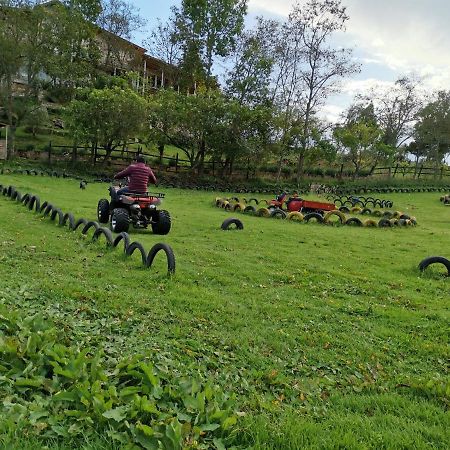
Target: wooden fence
[120, 157]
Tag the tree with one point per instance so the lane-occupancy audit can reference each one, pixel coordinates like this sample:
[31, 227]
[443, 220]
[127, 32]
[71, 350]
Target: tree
[13, 19]
[106, 117]
[118, 18]
[362, 144]
[432, 130]
[249, 79]
[163, 44]
[74, 53]
[395, 109]
[309, 69]
[207, 29]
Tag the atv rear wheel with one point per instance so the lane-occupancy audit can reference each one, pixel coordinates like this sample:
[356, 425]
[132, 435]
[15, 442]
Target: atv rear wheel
[103, 210]
[163, 223]
[120, 220]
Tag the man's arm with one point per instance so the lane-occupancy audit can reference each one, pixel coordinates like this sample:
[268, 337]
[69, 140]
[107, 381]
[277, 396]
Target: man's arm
[124, 173]
[151, 177]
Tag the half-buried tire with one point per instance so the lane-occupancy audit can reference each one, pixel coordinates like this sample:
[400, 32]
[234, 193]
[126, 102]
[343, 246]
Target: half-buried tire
[169, 255]
[227, 224]
[435, 260]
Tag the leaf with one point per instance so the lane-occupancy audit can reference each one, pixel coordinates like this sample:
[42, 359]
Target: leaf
[65, 396]
[219, 444]
[209, 426]
[117, 414]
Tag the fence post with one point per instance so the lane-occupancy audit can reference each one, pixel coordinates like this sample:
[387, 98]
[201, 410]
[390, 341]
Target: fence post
[213, 167]
[50, 152]
[95, 154]
[442, 173]
[176, 164]
[341, 171]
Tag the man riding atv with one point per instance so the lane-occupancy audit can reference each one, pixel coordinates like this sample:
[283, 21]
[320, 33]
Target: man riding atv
[139, 175]
[132, 204]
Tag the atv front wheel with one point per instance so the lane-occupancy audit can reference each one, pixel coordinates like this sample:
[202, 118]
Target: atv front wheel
[120, 220]
[162, 223]
[103, 210]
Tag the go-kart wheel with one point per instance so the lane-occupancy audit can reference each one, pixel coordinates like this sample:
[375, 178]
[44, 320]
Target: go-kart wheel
[162, 223]
[120, 220]
[103, 211]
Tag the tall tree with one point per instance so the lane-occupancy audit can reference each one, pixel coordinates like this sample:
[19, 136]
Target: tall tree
[248, 81]
[118, 18]
[395, 108]
[310, 69]
[207, 29]
[432, 129]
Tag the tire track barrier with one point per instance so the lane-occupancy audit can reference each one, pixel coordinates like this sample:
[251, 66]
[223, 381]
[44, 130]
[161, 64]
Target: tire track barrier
[435, 260]
[225, 187]
[385, 219]
[33, 202]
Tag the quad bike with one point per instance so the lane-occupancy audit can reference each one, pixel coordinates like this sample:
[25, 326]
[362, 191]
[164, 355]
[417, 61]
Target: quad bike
[138, 209]
[298, 204]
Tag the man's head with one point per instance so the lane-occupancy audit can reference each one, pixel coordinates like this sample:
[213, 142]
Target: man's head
[140, 158]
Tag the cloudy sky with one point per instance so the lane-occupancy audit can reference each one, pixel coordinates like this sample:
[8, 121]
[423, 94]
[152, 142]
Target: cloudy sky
[390, 38]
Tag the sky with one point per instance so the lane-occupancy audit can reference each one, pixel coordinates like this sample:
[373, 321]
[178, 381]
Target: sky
[389, 38]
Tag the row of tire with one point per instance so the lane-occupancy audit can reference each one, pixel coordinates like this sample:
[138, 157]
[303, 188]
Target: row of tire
[338, 191]
[33, 202]
[364, 202]
[329, 218]
[333, 190]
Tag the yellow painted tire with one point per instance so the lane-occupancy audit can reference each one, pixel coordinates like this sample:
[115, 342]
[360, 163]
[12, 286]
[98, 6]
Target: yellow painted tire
[263, 212]
[356, 209]
[295, 216]
[238, 207]
[336, 212]
[370, 223]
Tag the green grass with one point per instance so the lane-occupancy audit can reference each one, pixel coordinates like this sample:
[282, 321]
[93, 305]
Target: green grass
[329, 336]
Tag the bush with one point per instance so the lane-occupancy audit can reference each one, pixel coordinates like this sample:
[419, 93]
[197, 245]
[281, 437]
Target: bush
[56, 389]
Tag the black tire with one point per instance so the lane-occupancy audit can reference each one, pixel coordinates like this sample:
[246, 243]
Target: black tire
[384, 223]
[366, 211]
[120, 220]
[79, 222]
[313, 215]
[35, 202]
[137, 246]
[163, 223]
[226, 224]
[103, 210]
[354, 221]
[48, 209]
[57, 212]
[106, 232]
[435, 260]
[278, 213]
[68, 217]
[169, 255]
[89, 225]
[344, 209]
[126, 240]
[250, 209]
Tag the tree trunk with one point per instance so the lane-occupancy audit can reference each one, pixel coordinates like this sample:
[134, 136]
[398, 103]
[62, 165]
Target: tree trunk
[201, 158]
[280, 166]
[12, 129]
[74, 152]
[300, 166]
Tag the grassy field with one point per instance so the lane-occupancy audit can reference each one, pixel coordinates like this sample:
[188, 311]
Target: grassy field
[329, 337]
